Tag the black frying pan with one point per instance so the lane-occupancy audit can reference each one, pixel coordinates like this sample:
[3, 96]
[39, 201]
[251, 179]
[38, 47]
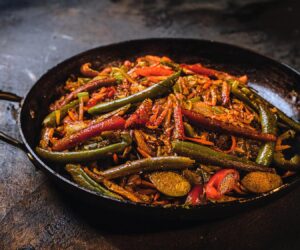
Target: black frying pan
[275, 79]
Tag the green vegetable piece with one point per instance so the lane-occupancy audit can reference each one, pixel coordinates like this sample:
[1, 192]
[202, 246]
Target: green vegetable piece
[84, 155]
[148, 164]
[189, 130]
[50, 120]
[195, 99]
[259, 182]
[207, 155]
[120, 111]
[268, 125]
[117, 75]
[153, 91]
[172, 65]
[170, 183]
[84, 96]
[292, 164]
[82, 179]
[252, 95]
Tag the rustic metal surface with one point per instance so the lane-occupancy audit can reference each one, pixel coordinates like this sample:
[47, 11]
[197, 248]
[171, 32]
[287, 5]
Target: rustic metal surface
[35, 36]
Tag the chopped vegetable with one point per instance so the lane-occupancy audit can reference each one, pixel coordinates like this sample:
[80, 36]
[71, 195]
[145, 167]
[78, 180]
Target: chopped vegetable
[292, 164]
[82, 179]
[268, 124]
[153, 71]
[259, 182]
[207, 155]
[51, 119]
[219, 126]
[83, 155]
[179, 128]
[113, 123]
[170, 183]
[148, 164]
[195, 196]
[141, 116]
[91, 85]
[86, 70]
[221, 183]
[153, 91]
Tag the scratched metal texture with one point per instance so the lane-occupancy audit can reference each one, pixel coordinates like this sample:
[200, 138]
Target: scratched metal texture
[36, 35]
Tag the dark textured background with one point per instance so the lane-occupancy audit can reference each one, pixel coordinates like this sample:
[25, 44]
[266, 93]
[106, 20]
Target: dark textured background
[36, 35]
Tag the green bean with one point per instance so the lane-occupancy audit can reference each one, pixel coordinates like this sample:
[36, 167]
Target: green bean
[207, 155]
[252, 95]
[82, 179]
[148, 164]
[120, 111]
[268, 124]
[50, 120]
[153, 91]
[83, 155]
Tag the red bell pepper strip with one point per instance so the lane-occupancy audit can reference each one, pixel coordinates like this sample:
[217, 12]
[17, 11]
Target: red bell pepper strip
[113, 123]
[195, 196]
[219, 126]
[153, 71]
[221, 183]
[100, 96]
[93, 84]
[179, 128]
[141, 116]
[199, 69]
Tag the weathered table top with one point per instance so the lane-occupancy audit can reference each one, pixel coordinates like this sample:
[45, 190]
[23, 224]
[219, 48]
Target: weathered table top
[36, 35]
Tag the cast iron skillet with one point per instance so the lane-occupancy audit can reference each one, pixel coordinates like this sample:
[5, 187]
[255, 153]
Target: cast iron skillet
[277, 80]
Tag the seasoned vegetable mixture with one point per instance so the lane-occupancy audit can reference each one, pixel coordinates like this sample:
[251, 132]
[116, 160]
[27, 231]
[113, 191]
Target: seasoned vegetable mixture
[159, 132]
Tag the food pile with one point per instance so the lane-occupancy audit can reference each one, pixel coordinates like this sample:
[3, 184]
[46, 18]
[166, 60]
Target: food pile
[158, 132]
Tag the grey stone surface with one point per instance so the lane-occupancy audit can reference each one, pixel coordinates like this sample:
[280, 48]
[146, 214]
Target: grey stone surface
[36, 35]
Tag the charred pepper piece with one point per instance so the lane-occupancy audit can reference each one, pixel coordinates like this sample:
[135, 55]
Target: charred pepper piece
[153, 91]
[113, 123]
[207, 155]
[213, 124]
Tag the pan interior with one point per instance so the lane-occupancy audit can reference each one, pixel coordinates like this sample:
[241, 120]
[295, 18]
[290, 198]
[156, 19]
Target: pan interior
[276, 82]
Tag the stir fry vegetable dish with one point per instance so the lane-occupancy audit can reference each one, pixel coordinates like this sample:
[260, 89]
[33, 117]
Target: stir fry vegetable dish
[158, 132]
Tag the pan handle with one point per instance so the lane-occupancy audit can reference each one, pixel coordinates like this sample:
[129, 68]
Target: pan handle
[7, 96]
